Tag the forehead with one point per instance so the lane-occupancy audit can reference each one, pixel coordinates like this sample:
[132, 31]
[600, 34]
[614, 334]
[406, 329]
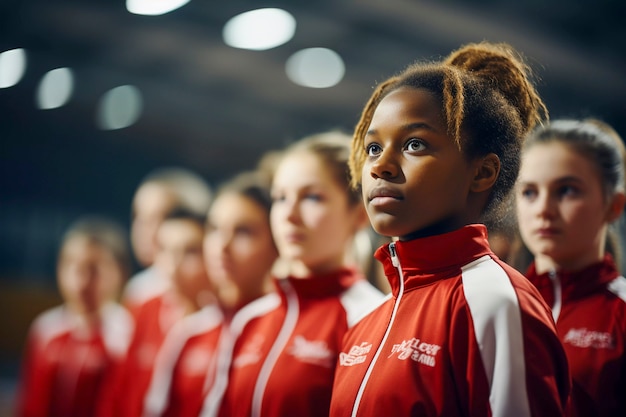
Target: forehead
[302, 169]
[408, 103]
[82, 246]
[234, 205]
[152, 198]
[550, 160]
[176, 231]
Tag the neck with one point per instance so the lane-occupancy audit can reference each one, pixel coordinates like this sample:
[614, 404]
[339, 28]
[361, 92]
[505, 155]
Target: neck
[545, 264]
[300, 269]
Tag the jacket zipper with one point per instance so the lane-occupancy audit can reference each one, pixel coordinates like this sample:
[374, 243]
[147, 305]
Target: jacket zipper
[286, 330]
[558, 294]
[395, 261]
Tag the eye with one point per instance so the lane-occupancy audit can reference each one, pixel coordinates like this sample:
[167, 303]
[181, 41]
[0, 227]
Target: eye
[373, 149]
[415, 145]
[568, 191]
[528, 193]
[210, 228]
[313, 196]
[278, 197]
[243, 231]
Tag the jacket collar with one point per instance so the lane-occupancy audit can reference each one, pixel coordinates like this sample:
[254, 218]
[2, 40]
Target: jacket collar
[325, 285]
[433, 258]
[576, 284]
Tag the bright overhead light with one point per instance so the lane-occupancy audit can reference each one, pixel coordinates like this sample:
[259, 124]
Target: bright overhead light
[119, 107]
[315, 68]
[55, 88]
[259, 29]
[12, 67]
[154, 7]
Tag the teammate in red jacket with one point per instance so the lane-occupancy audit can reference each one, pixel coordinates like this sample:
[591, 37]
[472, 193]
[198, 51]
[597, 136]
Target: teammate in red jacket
[287, 343]
[180, 258]
[73, 349]
[240, 253]
[571, 187]
[436, 151]
[159, 192]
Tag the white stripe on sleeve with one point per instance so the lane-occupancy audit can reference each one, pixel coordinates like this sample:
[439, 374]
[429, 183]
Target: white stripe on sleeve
[497, 322]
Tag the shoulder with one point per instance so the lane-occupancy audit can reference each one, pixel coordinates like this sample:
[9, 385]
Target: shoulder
[359, 300]
[618, 287]
[491, 287]
[118, 327]
[143, 286]
[202, 321]
[50, 324]
[257, 308]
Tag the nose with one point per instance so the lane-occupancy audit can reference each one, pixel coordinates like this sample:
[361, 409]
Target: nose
[385, 166]
[292, 210]
[545, 205]
[224, 242]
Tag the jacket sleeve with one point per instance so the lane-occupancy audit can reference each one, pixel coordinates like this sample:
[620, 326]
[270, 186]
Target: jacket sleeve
[515, 363]
[36, 379]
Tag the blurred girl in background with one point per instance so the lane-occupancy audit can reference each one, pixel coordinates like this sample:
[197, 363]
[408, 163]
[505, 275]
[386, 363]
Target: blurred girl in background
[239, 252]
[570, 190]
[180, 258]
[283, 359]
[73, 349]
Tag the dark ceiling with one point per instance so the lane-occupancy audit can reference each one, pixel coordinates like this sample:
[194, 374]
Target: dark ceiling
[216, 109]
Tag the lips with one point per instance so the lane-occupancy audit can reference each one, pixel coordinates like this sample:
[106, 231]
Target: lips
[547, 231]
[384, 193]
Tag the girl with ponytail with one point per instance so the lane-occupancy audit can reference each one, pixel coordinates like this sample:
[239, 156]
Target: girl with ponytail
[436, 154]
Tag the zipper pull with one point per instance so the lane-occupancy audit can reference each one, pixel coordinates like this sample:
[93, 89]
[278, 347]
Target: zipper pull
[394, 256]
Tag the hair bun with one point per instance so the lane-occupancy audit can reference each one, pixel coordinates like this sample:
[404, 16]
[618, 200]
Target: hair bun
[500, 66]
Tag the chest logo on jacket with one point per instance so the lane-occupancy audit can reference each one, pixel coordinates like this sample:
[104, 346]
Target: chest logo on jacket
[356, 355]
[416, 350]
[585, 338]
[250, 352]
[315, 352]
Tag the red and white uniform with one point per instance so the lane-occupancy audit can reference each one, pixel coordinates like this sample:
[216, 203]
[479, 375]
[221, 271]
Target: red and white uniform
[461, 334]
[142, 287]
[589, 307]
[66, 371]
[283, 360]
[155, 318]
[185, 367]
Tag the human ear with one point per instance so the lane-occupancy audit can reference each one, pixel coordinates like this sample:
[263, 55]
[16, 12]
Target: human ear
[486, 173]
[616, 207]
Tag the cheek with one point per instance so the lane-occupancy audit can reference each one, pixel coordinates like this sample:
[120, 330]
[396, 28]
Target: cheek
[578, 213]
[260, 254]
[523, 213]
[193, 267]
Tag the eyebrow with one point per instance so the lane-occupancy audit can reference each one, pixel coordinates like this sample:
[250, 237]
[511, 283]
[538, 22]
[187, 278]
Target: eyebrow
[409, 127]
[560, 180]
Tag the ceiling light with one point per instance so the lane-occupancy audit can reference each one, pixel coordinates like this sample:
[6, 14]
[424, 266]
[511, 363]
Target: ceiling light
[55, 88]
[259, 29]
[119, 107]
[315, 68]
[154, 7]
[12, 67]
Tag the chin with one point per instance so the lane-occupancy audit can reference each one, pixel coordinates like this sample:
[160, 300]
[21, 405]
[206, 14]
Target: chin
[386, 230]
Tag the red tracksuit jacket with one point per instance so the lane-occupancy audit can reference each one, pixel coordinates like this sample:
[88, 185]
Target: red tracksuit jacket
[185, 367]
[66, 373]
[283, 360]
[462, 334]
[155, 318]
[589, 307]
